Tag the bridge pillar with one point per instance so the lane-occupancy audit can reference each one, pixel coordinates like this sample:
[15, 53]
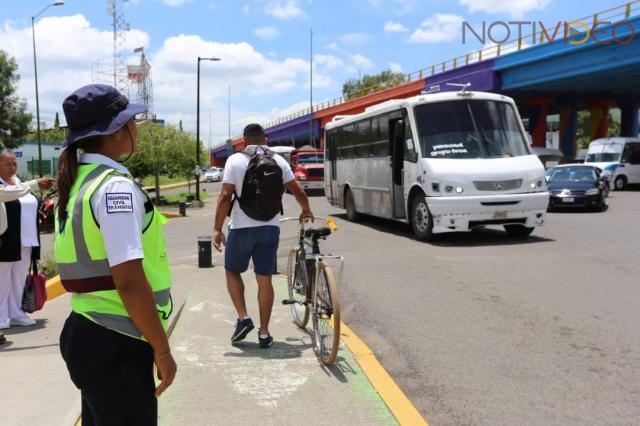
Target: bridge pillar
[568, 124]
[630, 119]
[599, 118]
[538, 107]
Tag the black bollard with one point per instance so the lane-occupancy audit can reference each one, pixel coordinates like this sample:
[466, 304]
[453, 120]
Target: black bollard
[204, 252]
[182, 208]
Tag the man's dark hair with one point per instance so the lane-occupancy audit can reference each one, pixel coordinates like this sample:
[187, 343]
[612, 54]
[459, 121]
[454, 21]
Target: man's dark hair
[253, 130]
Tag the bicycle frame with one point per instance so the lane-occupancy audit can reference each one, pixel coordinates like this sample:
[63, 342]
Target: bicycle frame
[315, 255]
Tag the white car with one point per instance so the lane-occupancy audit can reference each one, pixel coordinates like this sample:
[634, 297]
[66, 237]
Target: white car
[214, 174]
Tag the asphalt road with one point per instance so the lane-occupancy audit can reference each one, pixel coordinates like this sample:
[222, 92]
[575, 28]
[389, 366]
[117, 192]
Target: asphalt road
[479, 328]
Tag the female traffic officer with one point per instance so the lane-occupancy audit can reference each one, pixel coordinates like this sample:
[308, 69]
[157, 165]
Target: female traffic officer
[112, 258]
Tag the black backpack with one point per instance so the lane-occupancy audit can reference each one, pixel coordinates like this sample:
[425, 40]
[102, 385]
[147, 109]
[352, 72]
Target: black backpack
[262, 186]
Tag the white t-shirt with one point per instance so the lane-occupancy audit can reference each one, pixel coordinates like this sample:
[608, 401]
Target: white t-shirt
[234, 171]
[118, 206]
[28, 218]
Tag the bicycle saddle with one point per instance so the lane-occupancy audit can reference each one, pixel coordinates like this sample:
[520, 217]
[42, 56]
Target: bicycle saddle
[315, 233]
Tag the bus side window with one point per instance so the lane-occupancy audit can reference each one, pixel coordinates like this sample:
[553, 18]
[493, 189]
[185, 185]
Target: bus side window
[635, 152]
[410, 153]
[363, 139]
[627, 154]
[348, 141]
[383, 136]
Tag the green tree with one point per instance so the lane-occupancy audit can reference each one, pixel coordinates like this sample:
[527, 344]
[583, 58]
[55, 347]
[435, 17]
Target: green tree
[371, 83]
[164, 150]
[583, 128]
[52, 136]
[14, 120]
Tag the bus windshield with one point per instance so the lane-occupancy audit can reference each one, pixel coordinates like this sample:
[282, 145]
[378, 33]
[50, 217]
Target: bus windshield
[604, 153]
[469, 129]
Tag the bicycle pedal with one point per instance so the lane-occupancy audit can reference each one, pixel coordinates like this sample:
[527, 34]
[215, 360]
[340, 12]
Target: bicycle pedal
[288, 302]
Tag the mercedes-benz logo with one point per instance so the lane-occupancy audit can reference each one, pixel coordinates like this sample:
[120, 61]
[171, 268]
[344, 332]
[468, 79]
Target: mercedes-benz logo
[499, 185]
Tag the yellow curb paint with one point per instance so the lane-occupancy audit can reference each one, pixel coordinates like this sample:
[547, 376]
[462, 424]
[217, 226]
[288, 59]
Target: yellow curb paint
[54, 288]
[169, 186]
[401, 407]
[171, 215]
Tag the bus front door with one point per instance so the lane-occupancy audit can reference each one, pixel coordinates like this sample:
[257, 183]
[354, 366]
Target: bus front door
[397, 168]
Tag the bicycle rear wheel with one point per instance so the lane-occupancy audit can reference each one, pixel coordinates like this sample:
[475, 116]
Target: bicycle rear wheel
[298, 288]
[326, 315]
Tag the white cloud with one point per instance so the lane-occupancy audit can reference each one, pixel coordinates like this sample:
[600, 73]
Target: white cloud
[329, 62]
[361, 61]
[437, 28]
[284, 9]
[355, 39]
[515, 8]
[174, 3]
[69, 46]
[395, 27]
[395, 67]
[267, 33]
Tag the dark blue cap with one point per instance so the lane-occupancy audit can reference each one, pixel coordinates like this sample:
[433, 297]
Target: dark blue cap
[97, 110]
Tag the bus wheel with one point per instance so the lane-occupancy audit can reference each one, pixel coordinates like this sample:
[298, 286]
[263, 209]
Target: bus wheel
[518, 231]
[350, 205]
[421, 219]
[620, 183]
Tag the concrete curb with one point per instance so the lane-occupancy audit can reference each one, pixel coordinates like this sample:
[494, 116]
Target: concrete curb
[54, 288]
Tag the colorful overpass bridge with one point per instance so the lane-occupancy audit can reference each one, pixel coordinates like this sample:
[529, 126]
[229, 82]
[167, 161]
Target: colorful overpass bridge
[575, 70]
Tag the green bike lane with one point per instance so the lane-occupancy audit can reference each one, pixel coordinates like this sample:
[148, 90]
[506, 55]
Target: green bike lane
[218, 383]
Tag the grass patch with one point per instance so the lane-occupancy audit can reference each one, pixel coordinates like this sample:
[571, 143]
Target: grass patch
[182, 196]
[164, 180]
[48, 265]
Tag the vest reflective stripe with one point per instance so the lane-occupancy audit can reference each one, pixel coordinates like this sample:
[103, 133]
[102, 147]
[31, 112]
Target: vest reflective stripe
[83, 262]
[84, 266]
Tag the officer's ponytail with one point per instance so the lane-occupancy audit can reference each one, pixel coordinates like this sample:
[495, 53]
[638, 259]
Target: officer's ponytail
[67, 172]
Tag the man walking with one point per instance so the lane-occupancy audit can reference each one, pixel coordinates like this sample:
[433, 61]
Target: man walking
[257, 176]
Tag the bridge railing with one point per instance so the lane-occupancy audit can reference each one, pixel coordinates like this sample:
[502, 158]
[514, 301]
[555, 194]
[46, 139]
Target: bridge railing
[612, 15]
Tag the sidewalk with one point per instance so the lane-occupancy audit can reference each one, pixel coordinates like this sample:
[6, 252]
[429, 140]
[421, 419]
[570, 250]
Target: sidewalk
[221, 384]
[216, 383]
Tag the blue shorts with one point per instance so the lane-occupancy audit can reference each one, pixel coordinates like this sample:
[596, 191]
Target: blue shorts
[258, 243]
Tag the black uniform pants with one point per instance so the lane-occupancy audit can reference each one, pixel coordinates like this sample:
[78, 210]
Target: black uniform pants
[114, 373]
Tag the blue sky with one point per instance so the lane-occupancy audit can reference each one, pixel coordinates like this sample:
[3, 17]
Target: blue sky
[264, 46]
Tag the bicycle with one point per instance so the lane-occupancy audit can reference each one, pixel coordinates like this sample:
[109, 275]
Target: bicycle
[313, 290]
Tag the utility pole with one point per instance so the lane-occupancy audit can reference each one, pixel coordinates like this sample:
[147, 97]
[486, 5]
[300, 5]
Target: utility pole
[311, 88]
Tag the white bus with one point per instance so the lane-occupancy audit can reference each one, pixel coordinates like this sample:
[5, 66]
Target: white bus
[442, 162]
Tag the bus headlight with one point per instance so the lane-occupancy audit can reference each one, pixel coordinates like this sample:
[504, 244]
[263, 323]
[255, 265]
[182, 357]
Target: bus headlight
[537, 184]
[459, 189]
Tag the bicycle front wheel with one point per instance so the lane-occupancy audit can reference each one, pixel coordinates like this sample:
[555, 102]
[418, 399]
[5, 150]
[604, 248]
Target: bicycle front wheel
[326, 315]
[298, 288]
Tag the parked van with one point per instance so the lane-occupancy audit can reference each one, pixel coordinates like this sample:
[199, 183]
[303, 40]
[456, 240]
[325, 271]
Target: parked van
[617, 156]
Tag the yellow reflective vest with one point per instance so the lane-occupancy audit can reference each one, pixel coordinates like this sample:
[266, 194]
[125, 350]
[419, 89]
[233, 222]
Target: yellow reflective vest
[82, 258]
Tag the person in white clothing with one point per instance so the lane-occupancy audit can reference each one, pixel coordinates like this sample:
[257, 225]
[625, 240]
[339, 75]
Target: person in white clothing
[250, 238]
[19, 238]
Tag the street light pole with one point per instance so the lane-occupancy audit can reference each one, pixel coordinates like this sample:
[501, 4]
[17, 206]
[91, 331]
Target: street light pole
[198, 202]
[35, 69]
[311, 139]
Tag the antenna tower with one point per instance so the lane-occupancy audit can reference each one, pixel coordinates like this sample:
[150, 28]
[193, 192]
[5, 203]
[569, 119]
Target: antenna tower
[141, 76]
